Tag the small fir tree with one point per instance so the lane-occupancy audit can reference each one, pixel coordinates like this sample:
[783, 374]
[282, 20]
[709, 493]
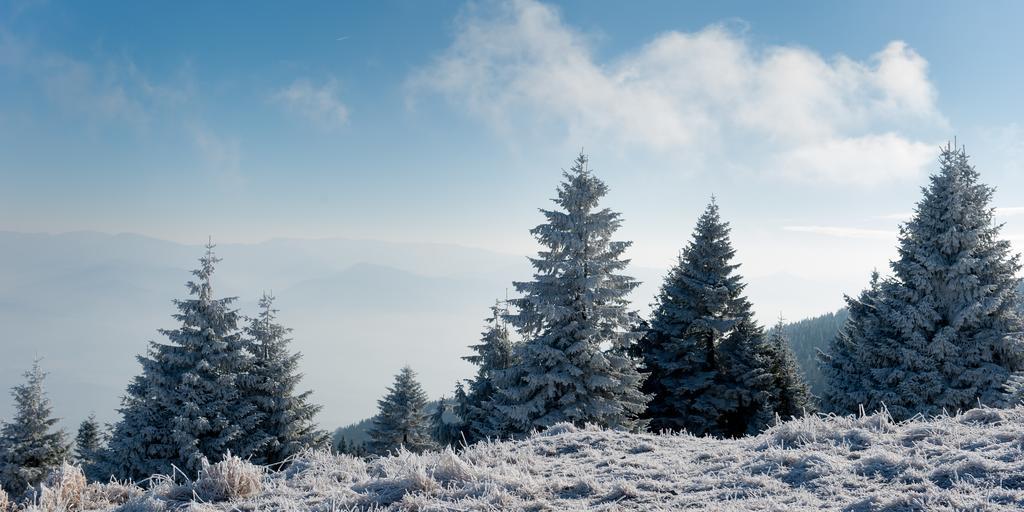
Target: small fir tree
[843, 363]
[402, 419]
[493, 354]
[285, 424]
[793, 396]
[32, 445]
[89, 444]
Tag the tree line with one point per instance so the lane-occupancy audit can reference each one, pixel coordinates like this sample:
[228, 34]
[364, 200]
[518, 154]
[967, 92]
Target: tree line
[940, 334]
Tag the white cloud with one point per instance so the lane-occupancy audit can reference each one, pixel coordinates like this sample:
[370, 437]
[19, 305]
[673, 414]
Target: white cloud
[843, 232]
[695, 94]
[319, 103]
[864, 160]
[1009, 211]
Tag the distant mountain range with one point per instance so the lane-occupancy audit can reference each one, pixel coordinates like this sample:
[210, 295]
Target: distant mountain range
[88, 302]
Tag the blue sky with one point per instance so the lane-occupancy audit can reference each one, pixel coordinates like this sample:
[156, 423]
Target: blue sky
[814, 123]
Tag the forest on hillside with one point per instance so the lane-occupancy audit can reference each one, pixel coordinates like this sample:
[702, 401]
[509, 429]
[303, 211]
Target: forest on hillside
[940, 333]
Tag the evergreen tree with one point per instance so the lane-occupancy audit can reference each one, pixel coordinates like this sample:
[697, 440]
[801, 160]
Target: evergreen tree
[140, 445]
[445, 430]
[843, 363]
[89, 443]
[285, 418]
[573, 316]
[792, 394]
[186, 407]
[493, 354]
[402, 417]
[946, 332]
[707, 358]
[88, 440]
[32, 445]
[808, 338]
[746, 391]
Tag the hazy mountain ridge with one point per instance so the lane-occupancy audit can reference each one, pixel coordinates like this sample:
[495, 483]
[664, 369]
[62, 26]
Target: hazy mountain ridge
[88, 300]
[359, 309]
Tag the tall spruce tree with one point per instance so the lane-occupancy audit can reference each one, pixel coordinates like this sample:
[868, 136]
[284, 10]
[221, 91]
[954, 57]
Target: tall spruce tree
[493, 354]
[950, 307]
[89, 443]
[574, 318]
[285, 424]
[402, 419]
[32, 445]
[707, 358]
[792, 395]
[185, 407]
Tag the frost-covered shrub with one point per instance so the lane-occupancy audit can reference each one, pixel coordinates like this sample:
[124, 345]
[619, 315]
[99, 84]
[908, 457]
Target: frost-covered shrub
[63, 489]
[449, 468]
[229, 479]
[402, 474]
[5, 501]
[109, 495]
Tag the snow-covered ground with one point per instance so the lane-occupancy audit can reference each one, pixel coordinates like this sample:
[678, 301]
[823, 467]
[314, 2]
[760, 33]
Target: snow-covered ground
[972, 461]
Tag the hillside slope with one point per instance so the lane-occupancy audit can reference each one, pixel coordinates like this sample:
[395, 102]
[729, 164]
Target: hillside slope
[972, 461]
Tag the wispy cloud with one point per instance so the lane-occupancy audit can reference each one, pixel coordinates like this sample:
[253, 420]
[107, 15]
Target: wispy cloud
[836, 120]
[221, 156]
[100, 89]
[844, 232]
[318, 103]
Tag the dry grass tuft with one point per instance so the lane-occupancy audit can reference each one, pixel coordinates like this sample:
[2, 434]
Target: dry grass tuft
[111, 494]
[63, 489]
[229, 479]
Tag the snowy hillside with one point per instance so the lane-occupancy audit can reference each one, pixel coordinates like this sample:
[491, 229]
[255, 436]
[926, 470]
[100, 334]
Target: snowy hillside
[972, 461]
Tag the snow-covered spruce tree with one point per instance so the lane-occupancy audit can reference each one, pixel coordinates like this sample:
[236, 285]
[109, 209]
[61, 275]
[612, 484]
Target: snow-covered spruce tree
[950, 305]
[843, 363]
[701, 316]
[792, 395]
[32, 445]
[89, 444]
[493, 354]
[186, 406]
[573, 316]
[402, 418]
[285, 418]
